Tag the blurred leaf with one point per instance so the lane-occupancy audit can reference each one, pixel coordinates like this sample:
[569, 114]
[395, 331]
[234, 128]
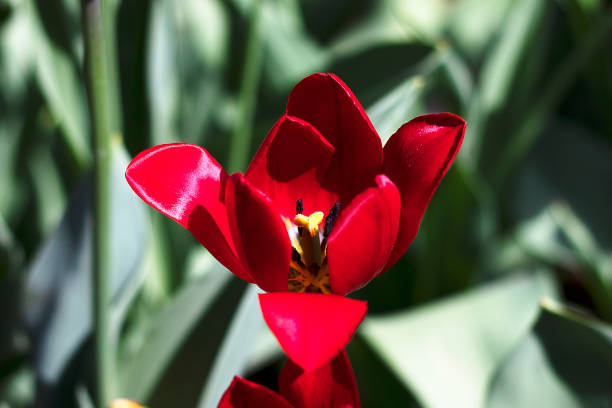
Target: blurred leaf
[266, 350]
[598, 264]
[405, 101]
[17, 58]
[398, 106]
[17, 390]
[566, 361]
[187, 53]
[17, 45]
[83, 398]
[58, 301]
[545, 177]
[61, 84]
[48, 189]
[11, 253]
[581, 239]
[474, 23]
[455, 344]
[12, 192]
[501, 64]
[337, 16]
[589, 6]
[557, 85]
[402, 60]
[291, 52]
[535, 238]
[232, 357]
[459, 76]
[195, 355]
[382, 25]
[377, 383]
[168, 332]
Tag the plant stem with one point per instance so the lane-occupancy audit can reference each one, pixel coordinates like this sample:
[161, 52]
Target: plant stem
[241, 136]
[97, 76]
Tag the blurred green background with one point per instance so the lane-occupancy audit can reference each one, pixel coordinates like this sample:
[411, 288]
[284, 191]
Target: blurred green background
[503, 300]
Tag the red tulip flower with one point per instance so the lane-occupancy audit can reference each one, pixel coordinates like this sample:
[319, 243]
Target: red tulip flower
[330, 386]
[322, 208]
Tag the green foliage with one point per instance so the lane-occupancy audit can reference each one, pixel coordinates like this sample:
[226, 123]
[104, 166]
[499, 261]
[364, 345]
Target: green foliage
[523, 213]
[566, 354]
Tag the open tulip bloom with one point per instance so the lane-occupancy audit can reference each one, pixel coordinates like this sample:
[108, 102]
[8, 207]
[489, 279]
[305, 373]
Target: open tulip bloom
[330, 386]
[322, 209]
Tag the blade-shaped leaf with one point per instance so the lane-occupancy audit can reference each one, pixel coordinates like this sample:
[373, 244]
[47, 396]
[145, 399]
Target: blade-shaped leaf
[454, 345]
[236, 348]
[58, 301]
[501, 64]
[168, 332]
[61, 84]
[566, 361]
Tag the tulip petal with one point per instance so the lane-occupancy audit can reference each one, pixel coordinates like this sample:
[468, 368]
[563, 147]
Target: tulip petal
[416, 158]
[363, 237]
[246, 394]
[290, 165]
[311, 327]
[330, 386]
[259, 234]
[325, 102]
[186, 183]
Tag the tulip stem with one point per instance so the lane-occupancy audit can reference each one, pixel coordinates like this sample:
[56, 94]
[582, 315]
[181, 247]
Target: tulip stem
[96, 70]
[242, 132]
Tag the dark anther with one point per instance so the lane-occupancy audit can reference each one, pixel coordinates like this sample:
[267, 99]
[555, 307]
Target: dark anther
[331, 217]
[299, 206]
[295, 256]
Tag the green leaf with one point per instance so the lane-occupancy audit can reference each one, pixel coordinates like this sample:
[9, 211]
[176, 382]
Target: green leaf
[398, 106]
[61, 84]
[17, 45]
[236, 348]
[187, 44]
[566, 361]
[58, 298]
[405, 101]
[501, 64]
[291, 53]
[446, 352]
[473, 23]
[48, 189]
[167, 332]
[378, 385]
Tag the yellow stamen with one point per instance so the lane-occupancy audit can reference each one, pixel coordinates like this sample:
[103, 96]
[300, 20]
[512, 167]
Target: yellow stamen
[307, 274]
[311, 223]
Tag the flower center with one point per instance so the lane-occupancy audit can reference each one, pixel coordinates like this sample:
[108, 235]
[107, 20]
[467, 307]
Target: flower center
[308, 271]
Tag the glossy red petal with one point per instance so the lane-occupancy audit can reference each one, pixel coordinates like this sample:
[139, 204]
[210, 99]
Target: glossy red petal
[246, 394]
[312, 328]
[259, 234]
[416, 158]
[324, 101]
[363, 237]
[186, 183]
[290, 165]
[330, 386]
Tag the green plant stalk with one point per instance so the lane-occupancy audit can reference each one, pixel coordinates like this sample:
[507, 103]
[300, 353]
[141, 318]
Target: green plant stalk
[109, 17]
[97, 77]
[242, 132]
